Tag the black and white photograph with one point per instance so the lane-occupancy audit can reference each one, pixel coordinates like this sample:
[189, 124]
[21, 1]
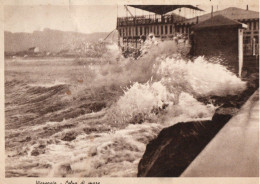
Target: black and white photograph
[130, 90]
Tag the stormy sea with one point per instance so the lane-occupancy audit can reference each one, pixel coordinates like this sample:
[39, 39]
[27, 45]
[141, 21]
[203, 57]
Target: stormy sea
[93, 117]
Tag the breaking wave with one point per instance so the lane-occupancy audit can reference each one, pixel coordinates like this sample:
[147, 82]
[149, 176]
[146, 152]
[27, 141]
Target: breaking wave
[94, 117]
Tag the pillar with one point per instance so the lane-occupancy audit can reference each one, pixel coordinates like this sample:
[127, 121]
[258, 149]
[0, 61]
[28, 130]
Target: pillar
[240, 51]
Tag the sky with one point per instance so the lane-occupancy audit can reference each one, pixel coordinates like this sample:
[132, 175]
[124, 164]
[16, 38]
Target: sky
[93, 17]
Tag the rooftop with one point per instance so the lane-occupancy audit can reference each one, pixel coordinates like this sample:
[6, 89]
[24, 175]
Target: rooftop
[217, 21]
[231, 13]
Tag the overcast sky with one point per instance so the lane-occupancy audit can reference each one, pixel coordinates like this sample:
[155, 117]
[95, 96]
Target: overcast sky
[92, 18]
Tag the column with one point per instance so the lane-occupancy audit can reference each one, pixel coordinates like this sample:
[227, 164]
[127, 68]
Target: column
[240, 51]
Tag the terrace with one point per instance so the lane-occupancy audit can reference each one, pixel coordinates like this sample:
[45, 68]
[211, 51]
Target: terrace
[149, 19]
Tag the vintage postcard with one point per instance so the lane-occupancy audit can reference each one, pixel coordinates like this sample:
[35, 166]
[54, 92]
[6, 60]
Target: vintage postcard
[97, 92]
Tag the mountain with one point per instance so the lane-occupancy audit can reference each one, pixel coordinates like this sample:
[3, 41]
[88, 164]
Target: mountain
[49, 40]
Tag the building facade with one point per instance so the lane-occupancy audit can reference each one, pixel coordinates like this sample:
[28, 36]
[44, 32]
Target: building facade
[134, 30]
[220, 36]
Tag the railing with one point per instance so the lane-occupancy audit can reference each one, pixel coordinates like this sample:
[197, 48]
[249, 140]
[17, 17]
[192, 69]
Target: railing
[149, 19]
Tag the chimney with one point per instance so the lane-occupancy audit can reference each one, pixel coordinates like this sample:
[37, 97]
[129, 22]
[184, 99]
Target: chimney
[246, 7]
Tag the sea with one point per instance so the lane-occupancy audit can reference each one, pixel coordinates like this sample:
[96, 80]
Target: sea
[93, 117]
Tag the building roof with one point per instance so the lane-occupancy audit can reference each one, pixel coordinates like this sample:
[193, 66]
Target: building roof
[231, 13]
[217, 21]
[162, 9]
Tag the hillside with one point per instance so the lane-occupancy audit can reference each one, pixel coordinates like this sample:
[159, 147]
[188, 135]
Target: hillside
[49, 40]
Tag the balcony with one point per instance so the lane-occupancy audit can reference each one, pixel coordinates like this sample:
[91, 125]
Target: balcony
[149, 19]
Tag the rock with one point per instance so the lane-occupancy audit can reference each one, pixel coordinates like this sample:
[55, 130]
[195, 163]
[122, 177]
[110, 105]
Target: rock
[224, 114]
[175, 147]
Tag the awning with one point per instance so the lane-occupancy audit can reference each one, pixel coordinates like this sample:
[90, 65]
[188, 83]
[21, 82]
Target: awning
[162, 9]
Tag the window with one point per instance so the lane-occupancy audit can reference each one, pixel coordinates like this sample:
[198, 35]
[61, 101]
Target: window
[161, 30]
[141, 30]
[247, 39]
[178, 29]
[249, 25]
[157, 29]
[166, 29]
[170, 29]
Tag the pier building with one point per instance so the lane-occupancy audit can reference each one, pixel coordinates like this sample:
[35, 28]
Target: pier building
[133, 30]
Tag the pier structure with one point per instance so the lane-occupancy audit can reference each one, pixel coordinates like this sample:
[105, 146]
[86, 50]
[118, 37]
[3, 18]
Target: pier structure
[133, 30]
[164, 25]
